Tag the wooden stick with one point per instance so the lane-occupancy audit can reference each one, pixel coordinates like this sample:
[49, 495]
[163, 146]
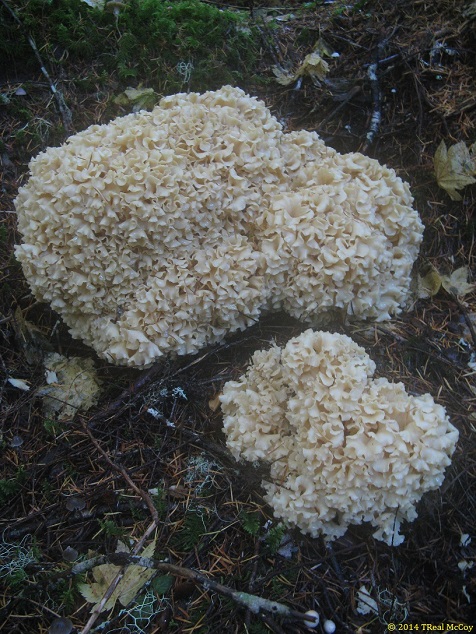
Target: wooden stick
[58, 95]
[252, 602]
[373, 74]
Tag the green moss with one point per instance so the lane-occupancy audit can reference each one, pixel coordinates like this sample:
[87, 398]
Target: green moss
[126, 71]
[251, 522]
[194, 527]
[47, 490]
[15, 580]
[12, 486]
[112, 529]
[128, 46]
[273, 538]
[53, 427]
[66, 594]
[148, 40]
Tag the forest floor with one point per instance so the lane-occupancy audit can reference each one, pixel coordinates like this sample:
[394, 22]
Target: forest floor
[400, 81]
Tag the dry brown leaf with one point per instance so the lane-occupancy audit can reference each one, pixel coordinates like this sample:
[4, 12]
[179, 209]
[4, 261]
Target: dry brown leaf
[429, 284]
[214, 403]
[456, 283]
[313, 65]
[283, 77]
[454, 168]
[130, 585]
[139, 99]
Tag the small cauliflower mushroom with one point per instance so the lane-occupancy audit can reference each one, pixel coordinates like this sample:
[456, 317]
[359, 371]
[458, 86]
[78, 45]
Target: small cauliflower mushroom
[163, 231]
[342, 447]
[72, 385]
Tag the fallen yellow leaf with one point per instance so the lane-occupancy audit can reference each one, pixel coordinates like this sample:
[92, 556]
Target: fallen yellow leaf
[313, 65]
[454, 168]
[429, 284]
[456, 283]
[134, 579]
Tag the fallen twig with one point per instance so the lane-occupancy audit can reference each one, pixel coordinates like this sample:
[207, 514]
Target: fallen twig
[373, 75]
[252, 602]
[204, 443]
[143, 494]
[145, 378]
[377, 112]
[58, 95]
[155, 522]
[355, 90]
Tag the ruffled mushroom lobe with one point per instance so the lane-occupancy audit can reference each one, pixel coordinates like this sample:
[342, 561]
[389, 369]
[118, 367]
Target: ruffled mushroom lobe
[342, 447]
[163, 231]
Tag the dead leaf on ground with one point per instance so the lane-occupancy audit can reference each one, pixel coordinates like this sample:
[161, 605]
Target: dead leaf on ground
[19, 384]
[456, 283]
[428, 284]
[133, 581]
[313, 66]
[139, 99]
[214, 403]
[454, 168]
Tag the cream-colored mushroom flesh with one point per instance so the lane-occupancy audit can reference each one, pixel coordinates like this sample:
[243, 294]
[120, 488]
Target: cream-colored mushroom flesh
[342, 447]
[163, 231]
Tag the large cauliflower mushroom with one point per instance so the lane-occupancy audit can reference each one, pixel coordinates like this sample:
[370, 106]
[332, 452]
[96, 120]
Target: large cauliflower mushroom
[342, 447]
[163, 231]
